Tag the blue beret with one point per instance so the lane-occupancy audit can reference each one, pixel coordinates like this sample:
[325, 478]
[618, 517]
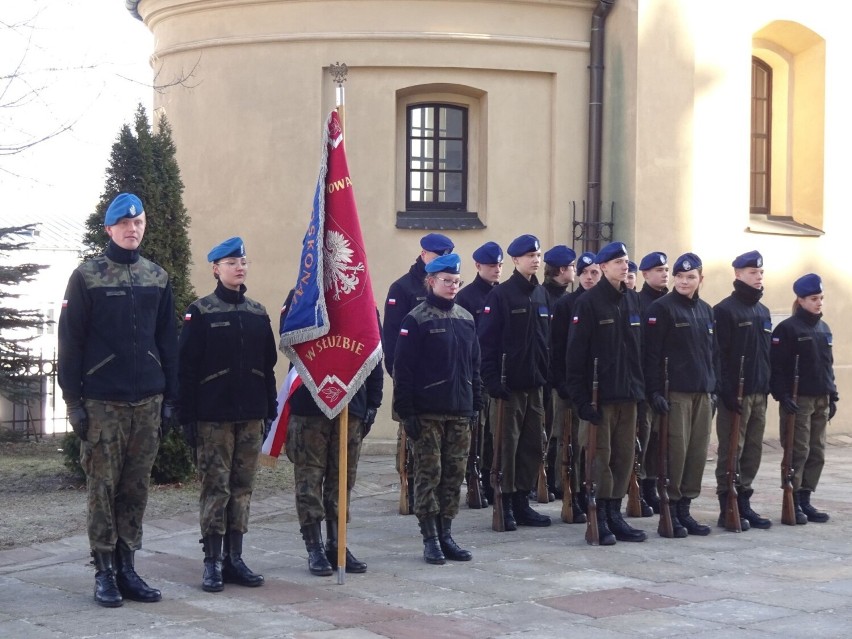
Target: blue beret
[232, 247]
[686, 262]
[124, 205]
[611, 251]
[523, 245]
[632, 267]
[810, 284]
[560, 255]
[653, 260]
[436, 243]
[450, 263]
[586, 259]
[752, 259]
[488, 253]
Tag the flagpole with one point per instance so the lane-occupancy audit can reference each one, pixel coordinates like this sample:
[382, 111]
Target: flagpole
[338, 73]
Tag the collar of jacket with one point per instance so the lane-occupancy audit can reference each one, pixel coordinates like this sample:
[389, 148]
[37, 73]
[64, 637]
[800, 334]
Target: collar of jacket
[613, 294]
[558, 290]
[230, 296]
[807, 317]
[418, 270]
[683, 299]
[747, 294]
[120, 255]
[439, 302]
[526, 285]
[647, 289]
[478, 282]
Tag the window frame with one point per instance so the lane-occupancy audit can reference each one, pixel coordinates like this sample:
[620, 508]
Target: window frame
[758, 137]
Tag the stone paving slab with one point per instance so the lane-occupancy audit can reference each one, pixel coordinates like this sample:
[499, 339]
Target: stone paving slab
[532, 583]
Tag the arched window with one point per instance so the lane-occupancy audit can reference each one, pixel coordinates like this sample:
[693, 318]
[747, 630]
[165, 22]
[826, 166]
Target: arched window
[761, 136]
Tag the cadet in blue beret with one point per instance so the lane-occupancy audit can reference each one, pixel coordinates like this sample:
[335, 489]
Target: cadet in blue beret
[488, 260]
[804, 339]
[227, 394]
[515, 329]
[679, 332]
[403, 295]
[743, 332]
[606, 329]
[437, 341]
[126, 401]
[630, 282]
[655, 272]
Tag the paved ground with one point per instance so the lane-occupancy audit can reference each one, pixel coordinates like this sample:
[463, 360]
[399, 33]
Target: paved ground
[536, 583]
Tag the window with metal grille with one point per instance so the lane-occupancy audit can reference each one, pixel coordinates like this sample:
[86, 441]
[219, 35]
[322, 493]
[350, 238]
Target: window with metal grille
[436, 157]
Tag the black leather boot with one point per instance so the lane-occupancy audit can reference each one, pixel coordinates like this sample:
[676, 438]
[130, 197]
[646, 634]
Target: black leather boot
[524, 515]
[678, 530]
[508, 514]
[449, 546]
[649, 494]
[212, 579]
[605, 536]
[234, 569]
[106, 589]
[746, 512]
[432, 552]
[578, 514]
[814, 515]
[723, 507]
[130, 585]
[352, 564]
[801, 517]
[620, 528]
[692, 526]
[318, 563]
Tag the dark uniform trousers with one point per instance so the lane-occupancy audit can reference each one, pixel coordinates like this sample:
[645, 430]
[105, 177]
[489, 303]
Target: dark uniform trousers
[648, 433]
[808, 440]
[118, 454]
[561, 409]
[689, 434]
[440, 463]
[523, 427]
[615, 449]
[227, 461]
[749, 442]
[313, 445]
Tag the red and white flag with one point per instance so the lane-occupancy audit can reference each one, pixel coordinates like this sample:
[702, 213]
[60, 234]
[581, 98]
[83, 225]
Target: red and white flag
[277, 437]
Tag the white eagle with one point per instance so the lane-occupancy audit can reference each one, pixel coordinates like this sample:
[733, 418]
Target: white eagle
[340, 274]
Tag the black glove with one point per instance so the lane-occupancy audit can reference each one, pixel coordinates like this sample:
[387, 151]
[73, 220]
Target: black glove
[832, 409]
[788, 405]
[731, 403]
[168, 415]
[474, 420]
[588, 413]
[267, 427]
[660, 404]
[498, 391]
[562, 391]
[369, 420]
[714, 403]
[190, 434]
[79, 419]
[412, 428]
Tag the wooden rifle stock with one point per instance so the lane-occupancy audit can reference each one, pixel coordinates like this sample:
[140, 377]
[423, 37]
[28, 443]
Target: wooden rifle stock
[634, 502]
[498, 524]
[402, 460]
[474, 488]
[732, 510]
[592, 535]
[788, 507]
[666, 526]
[567, 459]
[542, 494]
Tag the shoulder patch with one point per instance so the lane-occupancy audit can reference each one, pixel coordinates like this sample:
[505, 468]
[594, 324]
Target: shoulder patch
[403, 331]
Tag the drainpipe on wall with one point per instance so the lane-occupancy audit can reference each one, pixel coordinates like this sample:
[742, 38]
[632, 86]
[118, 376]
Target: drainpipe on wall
[591, 235]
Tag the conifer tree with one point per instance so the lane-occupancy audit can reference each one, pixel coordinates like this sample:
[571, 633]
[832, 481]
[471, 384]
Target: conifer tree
[143, 162]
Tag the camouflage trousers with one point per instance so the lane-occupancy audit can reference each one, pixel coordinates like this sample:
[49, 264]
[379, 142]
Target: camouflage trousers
[227, 462]
[749, 441]
[117, 457]
[808, 440]
[313, 445]
[440, 462]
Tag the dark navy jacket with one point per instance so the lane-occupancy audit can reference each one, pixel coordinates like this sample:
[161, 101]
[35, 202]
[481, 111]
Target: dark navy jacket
[559, 328]
[606, 325]
[403, 295]
[436, 366]
[681, 329]
[806, 335]
[472, 297]
[117, 336]
[227, 360]
[516, 322]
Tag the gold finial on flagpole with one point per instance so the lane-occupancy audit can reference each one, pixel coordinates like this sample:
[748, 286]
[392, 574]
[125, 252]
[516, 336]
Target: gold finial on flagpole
[338, 71]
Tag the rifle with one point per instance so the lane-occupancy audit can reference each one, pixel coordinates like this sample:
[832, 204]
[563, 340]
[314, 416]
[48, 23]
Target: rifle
[497, 522]
[402, 459]
[788, 507]
[542, 494]
[666, 526]
[634, 501]
[475, 498]
[732, 511]
[592, 535]
[567, 461]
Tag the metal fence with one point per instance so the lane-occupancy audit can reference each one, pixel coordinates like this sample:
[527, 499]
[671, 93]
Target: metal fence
[44, 414]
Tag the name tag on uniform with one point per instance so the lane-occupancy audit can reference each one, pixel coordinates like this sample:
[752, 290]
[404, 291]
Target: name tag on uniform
[805, 339]
[219, 324]
[518, 310]
[116, 293]
[606, 321]
[745, 323]
[681, 324]
[437, 330]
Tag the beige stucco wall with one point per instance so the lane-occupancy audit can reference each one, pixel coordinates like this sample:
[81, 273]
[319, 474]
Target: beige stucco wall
[676, 117]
